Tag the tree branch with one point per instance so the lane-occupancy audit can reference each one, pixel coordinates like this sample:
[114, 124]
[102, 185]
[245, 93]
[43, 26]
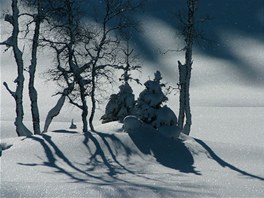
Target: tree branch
[13, 94]
[74, 103]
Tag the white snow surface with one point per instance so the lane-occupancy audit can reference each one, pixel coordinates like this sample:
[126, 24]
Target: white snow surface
[111, 163]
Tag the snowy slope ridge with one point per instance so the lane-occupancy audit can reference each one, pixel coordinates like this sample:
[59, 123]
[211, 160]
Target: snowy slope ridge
[111, 163]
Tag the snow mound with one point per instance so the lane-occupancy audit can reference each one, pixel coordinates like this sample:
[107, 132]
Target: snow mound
[109, 163]
[110, 127]
[132, 124]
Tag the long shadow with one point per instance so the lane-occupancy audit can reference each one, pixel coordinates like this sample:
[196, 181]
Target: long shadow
[168, 152]
[116, 140]
[48, 145]
[161, 152]
[114, 146]
[113, 165]
[98, 152]
[51, 159]
[223, 163]
[64, 131]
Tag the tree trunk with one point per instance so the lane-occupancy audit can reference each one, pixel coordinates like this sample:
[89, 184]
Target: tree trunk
[74, 68]
[93, 100]
[185, 74]
[84, 110]
[188, 123]
[54, 112]
[33, 95]
[79, 80]
[18, 94]
[182, 85]
[188, 62]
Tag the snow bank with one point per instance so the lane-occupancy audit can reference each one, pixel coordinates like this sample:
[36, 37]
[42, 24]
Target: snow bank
[115, 164]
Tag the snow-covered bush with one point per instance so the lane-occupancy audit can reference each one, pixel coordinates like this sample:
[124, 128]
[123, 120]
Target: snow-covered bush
[120, 105]
[164, 116]
[149, 107]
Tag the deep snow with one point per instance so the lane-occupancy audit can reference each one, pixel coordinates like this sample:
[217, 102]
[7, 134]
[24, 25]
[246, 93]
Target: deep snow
[111, 163]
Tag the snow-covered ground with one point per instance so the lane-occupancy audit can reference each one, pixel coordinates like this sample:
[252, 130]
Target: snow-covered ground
[224, 156]
[112, 163]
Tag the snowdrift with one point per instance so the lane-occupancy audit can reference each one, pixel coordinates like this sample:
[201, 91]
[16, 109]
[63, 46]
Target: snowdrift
[111, 163]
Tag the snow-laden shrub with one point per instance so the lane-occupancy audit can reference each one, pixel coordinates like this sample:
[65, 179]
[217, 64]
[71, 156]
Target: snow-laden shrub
[164, 116]
[120, 105]
[149, 107]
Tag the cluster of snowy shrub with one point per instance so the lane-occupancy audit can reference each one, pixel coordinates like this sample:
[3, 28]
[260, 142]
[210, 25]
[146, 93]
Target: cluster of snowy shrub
[148, 111]
[120, 105]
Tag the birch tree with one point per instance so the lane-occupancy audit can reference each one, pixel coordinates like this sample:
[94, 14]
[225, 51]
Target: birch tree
[72, 31]
[65, 38]
[103, 54]
[37, 19]
[12, 41]
[57, 75]
[185, 117]
[87, 51]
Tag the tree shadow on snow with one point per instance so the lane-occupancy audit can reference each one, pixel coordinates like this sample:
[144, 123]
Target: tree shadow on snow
[64, 131]
[223, 163]
[103, 150]
[168, 152]
[49, 146]
[4, 146]
[107, 148]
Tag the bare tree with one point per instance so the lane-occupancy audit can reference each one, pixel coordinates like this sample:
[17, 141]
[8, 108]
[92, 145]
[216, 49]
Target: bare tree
[185, 70]
[12, 42]
[37, 19]
[65, 38]
[117, 18]
[87, 52]
[36, 12]
[59, 74]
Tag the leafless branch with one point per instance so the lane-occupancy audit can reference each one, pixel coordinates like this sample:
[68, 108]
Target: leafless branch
[13, 94]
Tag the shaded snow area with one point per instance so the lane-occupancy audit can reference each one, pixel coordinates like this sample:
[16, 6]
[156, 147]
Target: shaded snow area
[112, 163]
